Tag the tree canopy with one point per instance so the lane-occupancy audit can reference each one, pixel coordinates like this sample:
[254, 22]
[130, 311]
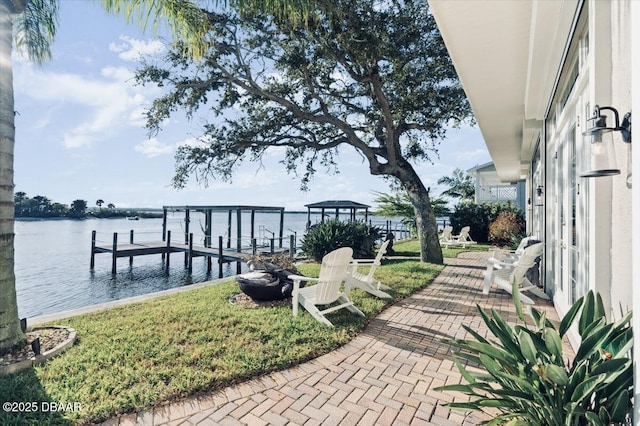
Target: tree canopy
[372, 76]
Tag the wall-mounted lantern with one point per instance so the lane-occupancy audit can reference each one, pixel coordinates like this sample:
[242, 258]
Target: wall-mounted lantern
[603, 161]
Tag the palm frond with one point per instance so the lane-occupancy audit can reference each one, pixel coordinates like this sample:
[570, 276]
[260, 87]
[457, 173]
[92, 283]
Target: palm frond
[35, 29]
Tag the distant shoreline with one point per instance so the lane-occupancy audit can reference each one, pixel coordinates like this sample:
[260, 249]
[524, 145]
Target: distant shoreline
[141, 214]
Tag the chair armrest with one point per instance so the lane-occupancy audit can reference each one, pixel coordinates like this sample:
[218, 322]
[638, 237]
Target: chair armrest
[500, 264]
[301, 278]
[359, 262]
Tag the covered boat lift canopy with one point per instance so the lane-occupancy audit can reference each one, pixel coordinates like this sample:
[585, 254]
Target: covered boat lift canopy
[208, 212]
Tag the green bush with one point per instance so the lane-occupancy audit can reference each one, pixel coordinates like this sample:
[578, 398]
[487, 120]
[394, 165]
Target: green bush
[529, 381]
[506, 229]
[479, 217]
[333, 234]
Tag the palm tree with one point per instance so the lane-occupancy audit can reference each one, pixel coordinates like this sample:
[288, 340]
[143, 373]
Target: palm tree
[461, 185]
[36, 22]
[10, 333]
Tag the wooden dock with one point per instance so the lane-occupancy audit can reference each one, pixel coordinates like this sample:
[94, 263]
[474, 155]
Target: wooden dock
[221, 254]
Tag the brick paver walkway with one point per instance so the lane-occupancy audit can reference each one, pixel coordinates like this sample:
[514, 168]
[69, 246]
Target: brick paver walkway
[385, 376]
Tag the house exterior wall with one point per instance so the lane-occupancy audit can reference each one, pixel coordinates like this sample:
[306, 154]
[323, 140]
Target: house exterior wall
[621, 199]
[588, 232]
[635, 248]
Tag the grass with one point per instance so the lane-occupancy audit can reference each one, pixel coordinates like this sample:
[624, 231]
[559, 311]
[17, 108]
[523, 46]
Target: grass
[134, 357]
[412, 248]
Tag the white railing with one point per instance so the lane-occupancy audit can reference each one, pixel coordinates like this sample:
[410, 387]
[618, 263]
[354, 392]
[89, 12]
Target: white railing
[498, 194]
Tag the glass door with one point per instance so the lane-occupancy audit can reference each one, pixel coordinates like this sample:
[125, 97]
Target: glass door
[566, 187]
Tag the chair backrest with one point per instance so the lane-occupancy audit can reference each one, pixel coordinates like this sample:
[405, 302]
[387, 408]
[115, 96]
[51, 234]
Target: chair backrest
[526, 261]
[378, 260]
[381, 251]
[333, 272]
[446, 233]
[464, 234]
[524, 243]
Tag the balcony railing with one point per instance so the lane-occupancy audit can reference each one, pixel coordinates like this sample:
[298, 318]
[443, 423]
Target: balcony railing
[497, 194]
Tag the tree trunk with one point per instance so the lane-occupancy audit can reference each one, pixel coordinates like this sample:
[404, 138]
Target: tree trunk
[430, 250]
[10, 333]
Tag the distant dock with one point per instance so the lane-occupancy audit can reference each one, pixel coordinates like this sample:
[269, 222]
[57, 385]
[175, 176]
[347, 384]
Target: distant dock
[222, 252]
[227, 249]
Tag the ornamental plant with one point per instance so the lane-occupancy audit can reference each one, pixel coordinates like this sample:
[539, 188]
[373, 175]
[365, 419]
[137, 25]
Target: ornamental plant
[528, 379]
[479, 217]
[333, 234]
[506, 229]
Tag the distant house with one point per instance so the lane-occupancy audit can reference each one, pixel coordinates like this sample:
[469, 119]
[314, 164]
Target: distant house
[491, 189]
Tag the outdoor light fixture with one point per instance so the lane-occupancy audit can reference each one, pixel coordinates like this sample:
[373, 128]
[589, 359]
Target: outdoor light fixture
[602, 157]
[539, 193]
[35, 346]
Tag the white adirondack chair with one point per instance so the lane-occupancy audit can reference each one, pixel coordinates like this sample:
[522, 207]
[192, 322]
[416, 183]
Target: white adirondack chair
[506, 258]
[446, 238]
[463, 238]
[504, 278]
[367, 282]
[333, 271]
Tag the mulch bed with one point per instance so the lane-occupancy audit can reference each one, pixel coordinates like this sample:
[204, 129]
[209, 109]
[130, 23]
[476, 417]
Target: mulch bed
[244, 301]
[49, 339]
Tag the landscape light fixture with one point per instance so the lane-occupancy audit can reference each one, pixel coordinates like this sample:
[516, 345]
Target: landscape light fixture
[603, 162]
[35, 346]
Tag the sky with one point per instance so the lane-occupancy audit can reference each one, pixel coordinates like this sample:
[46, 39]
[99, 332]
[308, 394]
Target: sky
[80, 132]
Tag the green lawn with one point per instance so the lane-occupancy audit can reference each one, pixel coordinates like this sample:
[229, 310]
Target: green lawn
[134, 357]
[412, 248]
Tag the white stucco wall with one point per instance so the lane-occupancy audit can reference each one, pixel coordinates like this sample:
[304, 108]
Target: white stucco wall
[621, 199]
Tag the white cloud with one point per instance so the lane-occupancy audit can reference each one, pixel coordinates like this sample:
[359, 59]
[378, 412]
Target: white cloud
[153, 148]
[117, 73]
[101, 104]
[132, 49]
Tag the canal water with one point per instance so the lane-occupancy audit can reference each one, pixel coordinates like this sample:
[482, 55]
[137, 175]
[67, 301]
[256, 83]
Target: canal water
[52, 258]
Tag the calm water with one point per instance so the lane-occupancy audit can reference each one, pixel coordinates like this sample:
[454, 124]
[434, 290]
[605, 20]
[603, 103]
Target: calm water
[52, 259]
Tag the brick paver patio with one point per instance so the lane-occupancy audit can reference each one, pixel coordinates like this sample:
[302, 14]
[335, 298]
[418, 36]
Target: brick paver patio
[385, 376]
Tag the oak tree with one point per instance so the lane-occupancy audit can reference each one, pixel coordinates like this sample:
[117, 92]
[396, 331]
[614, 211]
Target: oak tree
[375, 76]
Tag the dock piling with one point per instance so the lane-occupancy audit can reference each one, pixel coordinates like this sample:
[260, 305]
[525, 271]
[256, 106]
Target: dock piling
[168, 250]
[292, 246]
[93, 250]
[131, 242]
[190, 252]
[220, 260]
[114, 257]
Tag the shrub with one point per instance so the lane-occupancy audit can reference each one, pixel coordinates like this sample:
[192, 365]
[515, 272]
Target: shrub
[506, 229]
[529, 381]
[333, 234]
[479, 216]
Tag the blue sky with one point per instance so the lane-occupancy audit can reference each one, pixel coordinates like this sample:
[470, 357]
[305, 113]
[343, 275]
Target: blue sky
[80, 132]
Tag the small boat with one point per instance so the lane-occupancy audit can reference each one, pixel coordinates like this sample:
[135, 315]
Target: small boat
[132, 218]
